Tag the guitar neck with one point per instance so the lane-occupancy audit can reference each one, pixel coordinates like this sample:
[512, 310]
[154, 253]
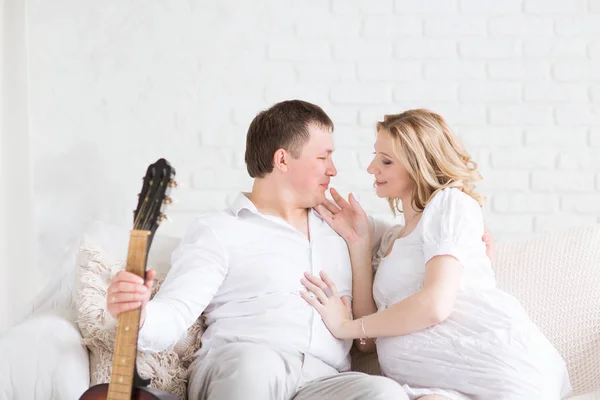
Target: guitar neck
[123, 363]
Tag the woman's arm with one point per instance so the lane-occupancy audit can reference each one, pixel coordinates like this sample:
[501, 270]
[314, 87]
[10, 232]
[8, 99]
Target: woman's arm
[431, 305]
[452, 228]
[362, 287]
[362, 280]
[350, 221]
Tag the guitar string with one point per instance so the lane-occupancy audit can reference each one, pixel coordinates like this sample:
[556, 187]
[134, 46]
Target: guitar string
[153, 209]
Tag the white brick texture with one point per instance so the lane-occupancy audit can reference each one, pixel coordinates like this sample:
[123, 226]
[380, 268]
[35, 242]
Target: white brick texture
[127, 82]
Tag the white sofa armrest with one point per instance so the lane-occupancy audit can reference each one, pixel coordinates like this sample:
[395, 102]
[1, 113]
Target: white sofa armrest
[43, 358]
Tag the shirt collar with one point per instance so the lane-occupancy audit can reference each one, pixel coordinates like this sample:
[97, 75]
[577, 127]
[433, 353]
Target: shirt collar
[242, 202]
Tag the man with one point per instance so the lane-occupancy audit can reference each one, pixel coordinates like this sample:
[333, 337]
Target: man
[242, 268]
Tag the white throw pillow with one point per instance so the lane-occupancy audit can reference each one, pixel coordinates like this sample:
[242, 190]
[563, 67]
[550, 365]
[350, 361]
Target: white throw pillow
[59, 292]
[168, 368]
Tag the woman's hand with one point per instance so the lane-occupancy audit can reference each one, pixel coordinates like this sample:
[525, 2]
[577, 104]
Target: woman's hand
[335, 310]
[490, 248]
[349, 220]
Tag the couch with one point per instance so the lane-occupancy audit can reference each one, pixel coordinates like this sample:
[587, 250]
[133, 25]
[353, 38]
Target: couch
[556, 276]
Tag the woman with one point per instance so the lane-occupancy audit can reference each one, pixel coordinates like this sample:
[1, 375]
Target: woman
[443, 328]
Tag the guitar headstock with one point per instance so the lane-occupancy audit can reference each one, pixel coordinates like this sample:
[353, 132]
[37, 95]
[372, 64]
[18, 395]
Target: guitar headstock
[154, 197]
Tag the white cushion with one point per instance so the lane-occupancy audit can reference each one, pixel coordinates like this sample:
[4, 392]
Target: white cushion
[43, 358]
[556, 276]
[59, 293]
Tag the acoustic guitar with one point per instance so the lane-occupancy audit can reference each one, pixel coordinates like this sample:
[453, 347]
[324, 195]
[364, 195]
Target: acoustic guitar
[125, 383]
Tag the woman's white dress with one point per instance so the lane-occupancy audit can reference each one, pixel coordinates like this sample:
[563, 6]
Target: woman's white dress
[488, 348]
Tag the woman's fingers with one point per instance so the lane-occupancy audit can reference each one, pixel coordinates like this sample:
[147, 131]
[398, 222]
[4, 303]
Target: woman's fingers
[324, 212]
[329, 283]
[355, 204]
[315, 288]
[311, 300]
[332, 208]
[338, 199]
[347, 304]
[315, 280]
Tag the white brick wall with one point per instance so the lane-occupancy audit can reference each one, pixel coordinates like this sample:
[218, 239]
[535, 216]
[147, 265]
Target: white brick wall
[114, 85]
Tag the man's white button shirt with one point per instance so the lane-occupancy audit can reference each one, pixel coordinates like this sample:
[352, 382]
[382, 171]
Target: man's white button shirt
[243, 270]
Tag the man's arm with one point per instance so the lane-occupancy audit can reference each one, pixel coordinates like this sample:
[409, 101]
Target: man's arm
[199, 266]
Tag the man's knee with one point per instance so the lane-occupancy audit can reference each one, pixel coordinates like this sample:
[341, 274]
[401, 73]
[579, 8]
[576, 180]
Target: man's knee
[234, 370]
[383, 388]
[249, 361]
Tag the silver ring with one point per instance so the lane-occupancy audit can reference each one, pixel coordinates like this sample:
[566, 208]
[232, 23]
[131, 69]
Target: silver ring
[328, 292]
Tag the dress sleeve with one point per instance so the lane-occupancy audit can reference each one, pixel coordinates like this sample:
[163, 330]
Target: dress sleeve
[386, 239]
[378, 228]
[452, 225]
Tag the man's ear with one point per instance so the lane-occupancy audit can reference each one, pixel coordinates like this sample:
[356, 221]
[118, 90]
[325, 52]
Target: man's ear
[280, 160]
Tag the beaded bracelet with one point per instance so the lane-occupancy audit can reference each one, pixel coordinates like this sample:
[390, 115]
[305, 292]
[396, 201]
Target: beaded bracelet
[363, 340]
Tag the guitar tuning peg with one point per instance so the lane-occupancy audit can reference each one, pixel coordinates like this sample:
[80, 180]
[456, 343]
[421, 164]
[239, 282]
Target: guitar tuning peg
[163, 217]
[173, 183]
[168, 200]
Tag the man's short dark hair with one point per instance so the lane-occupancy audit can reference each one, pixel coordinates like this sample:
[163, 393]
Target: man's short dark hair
[283, 126]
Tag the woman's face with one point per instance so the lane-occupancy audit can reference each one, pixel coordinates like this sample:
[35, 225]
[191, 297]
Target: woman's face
[391, 177]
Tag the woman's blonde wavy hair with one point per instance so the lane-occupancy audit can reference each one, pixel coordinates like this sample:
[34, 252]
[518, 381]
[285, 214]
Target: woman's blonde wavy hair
[434, 157]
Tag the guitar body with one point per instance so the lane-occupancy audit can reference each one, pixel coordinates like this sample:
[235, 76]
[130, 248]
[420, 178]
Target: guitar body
[139, 391]
[100, 392]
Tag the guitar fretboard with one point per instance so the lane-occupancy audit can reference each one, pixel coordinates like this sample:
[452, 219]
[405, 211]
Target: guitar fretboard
[123, 363]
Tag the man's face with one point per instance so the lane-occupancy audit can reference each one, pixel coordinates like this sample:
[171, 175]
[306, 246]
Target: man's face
[310, 173]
